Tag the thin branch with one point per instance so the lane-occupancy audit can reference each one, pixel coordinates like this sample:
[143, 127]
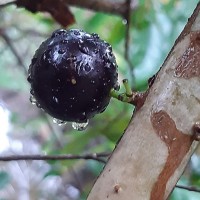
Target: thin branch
[127, 17]
[128, 20]
[189, 188]
[9, 43]
[13, 50]
[95, 156]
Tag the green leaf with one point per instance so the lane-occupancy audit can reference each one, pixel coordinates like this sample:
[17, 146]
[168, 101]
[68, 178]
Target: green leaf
[4, 179]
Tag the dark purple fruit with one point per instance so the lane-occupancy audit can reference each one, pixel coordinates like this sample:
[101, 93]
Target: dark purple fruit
[71, 75]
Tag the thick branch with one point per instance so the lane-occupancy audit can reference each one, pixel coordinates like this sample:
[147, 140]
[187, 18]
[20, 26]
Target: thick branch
[101, 5]
[107, 6]
[13, 50]
[159, 141]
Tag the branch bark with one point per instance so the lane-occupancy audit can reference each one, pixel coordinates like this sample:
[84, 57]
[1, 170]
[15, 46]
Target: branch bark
[95, 156]
[189, 188]
[107, 6]
[160, 139]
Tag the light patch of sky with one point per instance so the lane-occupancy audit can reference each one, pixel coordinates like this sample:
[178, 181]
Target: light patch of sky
[158, 44]
[4, 128]
[195, 163]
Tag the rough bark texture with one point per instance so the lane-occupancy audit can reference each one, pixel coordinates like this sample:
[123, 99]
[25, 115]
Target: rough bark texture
[158, 143]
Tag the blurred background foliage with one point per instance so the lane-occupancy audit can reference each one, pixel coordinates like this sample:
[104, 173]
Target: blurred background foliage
[155, 24]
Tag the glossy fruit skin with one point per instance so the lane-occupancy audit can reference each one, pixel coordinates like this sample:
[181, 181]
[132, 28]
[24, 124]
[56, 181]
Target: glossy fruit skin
[71, 75]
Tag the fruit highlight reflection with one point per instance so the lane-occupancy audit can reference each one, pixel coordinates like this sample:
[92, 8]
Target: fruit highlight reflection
[71, 76]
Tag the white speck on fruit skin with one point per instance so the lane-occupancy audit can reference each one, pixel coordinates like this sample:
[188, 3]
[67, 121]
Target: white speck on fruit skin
[73, 81]
[33, 100]
[55, 99]
[92, 81]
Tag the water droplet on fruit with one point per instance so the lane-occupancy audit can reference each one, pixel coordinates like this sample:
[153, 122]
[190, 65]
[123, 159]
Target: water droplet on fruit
[108, 54]
[76, 32]
[55, 99]
[59, 122]
[117, 86]
[38, 105]
[29, 79]
[80, 126]
[95, 35]
[102, 110]
[33, 100]
[32, 91]
[83, 113]
[74, 58]
[84, 49]
[110, 48]
[58, 32]
[106, 43]
[124, 21]
[61, 51]
[87, 68]
[33, 61]
[58, 80]
[96, 51]
[92, 81]
[64, 41]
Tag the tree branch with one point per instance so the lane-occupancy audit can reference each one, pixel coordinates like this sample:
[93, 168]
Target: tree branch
[159, 141]
[107, 6]
[127, 17]
[128, 21]
[13, 50]
[95, 156]
[189, 188]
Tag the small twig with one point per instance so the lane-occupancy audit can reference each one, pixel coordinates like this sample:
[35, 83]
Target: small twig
[127, 17]
[9, 43]
[189, 188]
[13, 50]
[96, 156]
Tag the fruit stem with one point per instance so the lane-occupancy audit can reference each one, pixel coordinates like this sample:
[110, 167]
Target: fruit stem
[128, 89]
[120, 96]
[124, 97]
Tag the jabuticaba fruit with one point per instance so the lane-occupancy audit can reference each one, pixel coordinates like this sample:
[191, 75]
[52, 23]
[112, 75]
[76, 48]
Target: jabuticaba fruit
[71, 75]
